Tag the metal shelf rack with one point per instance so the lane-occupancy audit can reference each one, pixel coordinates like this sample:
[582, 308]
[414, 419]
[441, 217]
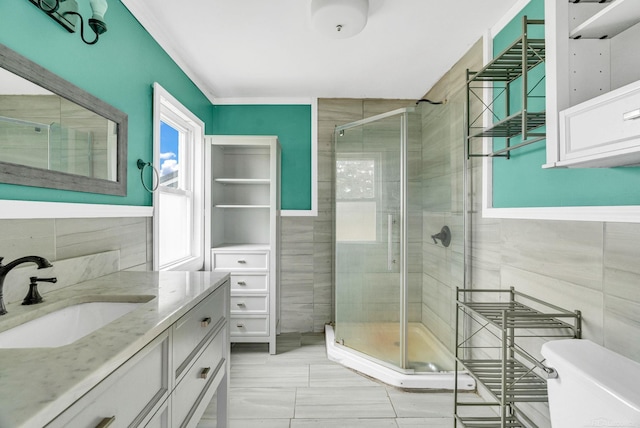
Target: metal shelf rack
[515, 62]
[510, 373]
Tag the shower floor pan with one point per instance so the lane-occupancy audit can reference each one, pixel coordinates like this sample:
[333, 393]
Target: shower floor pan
[432, 362]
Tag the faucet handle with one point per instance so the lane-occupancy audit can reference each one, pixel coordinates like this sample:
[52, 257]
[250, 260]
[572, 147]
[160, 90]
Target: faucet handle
[33, 279]
[33, 296]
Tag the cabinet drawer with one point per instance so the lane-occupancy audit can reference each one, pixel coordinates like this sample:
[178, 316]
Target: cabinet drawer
[249, 326]
[191, 396]
[194, 327]
[129, 396]
[257, 283]
[249, 304]
[241, 261]
[607, 126]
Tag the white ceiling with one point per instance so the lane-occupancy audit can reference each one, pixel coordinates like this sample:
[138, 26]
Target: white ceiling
[266, 48]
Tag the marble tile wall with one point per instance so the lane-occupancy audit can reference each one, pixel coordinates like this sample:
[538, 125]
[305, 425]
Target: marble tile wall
[67, 272]
[442, 174]
[76, 243]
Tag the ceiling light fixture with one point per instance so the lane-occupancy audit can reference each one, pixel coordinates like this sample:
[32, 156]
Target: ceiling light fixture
[65, 13]
[339, 18]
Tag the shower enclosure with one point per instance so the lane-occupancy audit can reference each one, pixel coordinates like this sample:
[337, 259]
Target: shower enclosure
[378, 247]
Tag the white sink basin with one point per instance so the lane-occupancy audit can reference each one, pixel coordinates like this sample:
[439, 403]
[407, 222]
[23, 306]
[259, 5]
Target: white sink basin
[64, 326]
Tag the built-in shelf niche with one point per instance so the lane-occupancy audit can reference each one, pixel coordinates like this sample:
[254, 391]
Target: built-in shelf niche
[243, 188]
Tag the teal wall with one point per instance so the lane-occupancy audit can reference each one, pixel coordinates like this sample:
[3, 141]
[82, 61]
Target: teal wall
[120, 69]
[292, 125]
[521, 181]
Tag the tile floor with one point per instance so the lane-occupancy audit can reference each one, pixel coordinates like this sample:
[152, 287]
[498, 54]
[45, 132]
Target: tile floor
[300, 388]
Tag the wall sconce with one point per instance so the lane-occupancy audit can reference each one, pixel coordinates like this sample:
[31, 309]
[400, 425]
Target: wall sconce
[65, 13]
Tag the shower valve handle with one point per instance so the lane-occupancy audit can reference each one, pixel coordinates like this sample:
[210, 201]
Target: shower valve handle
[444, 236]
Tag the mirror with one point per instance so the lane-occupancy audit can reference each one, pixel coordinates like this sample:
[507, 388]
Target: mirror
[55, 135]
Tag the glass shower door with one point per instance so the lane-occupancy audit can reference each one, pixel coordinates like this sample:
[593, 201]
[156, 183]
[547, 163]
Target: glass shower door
[370, 313]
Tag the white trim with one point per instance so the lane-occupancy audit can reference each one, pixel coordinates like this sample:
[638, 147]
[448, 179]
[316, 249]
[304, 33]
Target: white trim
[619, 214]
[38, 210]
[506, 19]
[313, 102]
[265, 100]
[624, 214]
[165, 104]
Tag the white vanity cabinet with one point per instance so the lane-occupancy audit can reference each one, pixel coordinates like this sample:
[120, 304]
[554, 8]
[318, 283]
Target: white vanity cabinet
[244, 234]
[127, 397]
[168, 383]
[200, 359]
[593, 83]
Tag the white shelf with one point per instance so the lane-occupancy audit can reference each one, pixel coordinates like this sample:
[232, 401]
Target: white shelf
[242, 206]
[610, 21]
[242, 180]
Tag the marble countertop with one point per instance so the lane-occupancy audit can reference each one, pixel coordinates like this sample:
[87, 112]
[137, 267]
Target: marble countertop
[38, 384]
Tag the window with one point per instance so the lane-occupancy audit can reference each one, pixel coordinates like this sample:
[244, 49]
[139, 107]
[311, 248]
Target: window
[178, 202]
[356, 199]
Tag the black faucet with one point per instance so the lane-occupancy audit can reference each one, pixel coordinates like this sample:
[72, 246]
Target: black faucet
[5, 269]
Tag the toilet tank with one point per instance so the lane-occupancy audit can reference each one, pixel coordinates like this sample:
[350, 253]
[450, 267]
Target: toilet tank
[595, 387]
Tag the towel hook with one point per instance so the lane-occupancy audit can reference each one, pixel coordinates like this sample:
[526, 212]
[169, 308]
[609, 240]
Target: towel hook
[141, 166]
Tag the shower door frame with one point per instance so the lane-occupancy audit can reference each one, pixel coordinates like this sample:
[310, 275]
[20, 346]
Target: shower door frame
[404, 301]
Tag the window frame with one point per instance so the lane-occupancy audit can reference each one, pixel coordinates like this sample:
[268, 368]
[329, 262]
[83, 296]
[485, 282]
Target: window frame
[169, 110]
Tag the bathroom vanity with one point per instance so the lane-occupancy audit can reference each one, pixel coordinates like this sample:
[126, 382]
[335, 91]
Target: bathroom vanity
[160, 365]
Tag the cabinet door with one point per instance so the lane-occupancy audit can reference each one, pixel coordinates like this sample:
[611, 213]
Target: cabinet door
[126, 397]
[603, 132]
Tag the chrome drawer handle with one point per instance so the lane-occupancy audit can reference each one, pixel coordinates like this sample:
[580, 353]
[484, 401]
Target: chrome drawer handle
[242, 261]
[240, 325]
[205, 322]
[205, 372]
[104, 423]
[630, 115]
[241, 304]
[242, 283]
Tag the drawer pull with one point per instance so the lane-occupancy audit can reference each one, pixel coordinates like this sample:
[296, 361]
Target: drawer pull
[205, 322]
[630, 115]
[242, 283]
[242, 262]
[240, 325]
[106, 422]
[241, 304]
[205, 372]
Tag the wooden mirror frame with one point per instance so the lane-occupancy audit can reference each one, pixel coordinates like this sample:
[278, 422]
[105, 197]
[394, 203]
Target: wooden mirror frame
[38, 177]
